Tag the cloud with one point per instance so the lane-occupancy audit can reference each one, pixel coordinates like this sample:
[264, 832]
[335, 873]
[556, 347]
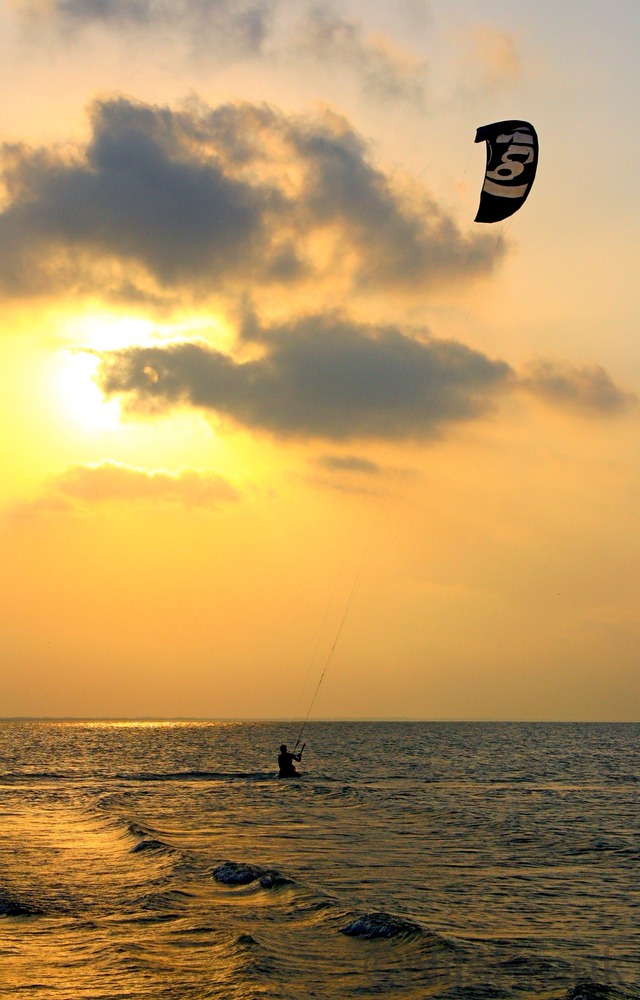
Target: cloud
[224, 28]
[329, 377]
[110, 481]
[350, 463]
[133, 194]
[318, 377]
[386, 71]
[207, 200]
[349, 474]
[589, 387]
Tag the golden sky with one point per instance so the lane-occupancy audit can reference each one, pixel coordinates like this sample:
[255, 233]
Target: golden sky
[267, 390]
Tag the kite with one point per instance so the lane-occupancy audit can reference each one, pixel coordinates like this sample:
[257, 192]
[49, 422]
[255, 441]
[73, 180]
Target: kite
[512, 158]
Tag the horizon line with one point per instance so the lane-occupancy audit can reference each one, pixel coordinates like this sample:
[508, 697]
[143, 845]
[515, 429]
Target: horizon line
[325, 719]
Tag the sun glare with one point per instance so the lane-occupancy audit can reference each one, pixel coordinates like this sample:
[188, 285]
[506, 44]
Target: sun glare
[81, 398]
[110, 332]
[76, 365]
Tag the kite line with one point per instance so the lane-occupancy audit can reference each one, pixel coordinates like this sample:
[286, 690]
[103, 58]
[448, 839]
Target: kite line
[512, 159]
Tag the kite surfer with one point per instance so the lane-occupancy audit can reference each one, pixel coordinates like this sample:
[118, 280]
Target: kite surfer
[285, 762]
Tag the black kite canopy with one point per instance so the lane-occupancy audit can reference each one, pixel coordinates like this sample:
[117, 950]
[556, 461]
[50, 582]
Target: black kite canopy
[512, 158]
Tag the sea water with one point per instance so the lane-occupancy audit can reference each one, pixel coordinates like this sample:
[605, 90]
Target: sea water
[409, 860]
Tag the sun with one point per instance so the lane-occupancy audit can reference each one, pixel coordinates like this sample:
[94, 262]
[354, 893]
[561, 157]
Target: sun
[76, 367]
[80, 398]
[87, 336]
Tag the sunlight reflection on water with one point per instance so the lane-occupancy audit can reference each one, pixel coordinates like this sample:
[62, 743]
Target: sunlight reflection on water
[512, 848]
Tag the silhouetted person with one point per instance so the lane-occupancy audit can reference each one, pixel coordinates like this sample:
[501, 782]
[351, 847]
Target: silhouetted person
[285, 762]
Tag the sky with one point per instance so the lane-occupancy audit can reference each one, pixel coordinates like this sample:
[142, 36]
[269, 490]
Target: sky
[275, 410]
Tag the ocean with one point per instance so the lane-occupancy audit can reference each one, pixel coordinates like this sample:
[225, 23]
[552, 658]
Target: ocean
[449, 861]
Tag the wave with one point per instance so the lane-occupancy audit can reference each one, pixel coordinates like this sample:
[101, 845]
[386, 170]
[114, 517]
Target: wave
[587, 989]
[142, 776]
[318, 784]
[600, 845]
[339, 793]
[480, 991]
[135, 777]
[303, 902]
[240, 873]
[22, 777]
[11, 906]
[146, 839]
[151, 844]
[380, 924]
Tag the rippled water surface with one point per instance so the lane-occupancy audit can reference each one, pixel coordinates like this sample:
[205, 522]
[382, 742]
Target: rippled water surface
[438, 860]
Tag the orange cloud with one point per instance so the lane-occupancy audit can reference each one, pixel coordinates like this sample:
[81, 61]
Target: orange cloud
[87, 485]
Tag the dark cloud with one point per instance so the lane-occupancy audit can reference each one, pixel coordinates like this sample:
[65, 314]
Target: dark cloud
[348, 474]
[323, 377]
[224, 28]
[209, 200]
[331, 378]
[385, 71]
[350, 463]
[589, 387]
[133, 195]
